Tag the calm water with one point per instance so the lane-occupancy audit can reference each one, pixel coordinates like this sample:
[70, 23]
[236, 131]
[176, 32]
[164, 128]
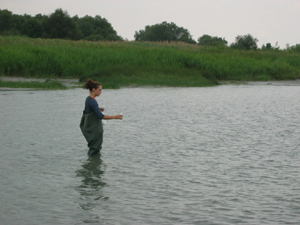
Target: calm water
[220, 155]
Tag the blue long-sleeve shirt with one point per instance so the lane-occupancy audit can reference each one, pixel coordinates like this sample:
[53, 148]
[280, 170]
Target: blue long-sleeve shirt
[91, 105]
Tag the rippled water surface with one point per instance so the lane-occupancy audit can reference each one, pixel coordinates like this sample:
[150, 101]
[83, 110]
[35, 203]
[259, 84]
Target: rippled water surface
[218, 155]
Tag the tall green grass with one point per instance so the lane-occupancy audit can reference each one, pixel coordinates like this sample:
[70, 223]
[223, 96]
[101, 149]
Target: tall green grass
[142, 63]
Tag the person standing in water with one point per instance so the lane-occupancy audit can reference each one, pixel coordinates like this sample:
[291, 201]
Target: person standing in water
[91, 120]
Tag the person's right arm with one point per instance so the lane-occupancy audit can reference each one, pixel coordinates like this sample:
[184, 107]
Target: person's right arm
[117, 117]
[100, 115]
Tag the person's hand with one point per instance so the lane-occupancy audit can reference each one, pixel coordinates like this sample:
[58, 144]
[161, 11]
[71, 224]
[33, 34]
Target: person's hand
[119, 117]
[102, 109]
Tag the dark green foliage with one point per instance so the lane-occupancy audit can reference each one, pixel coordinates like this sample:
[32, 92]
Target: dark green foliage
[32, 28]
[268, 46]
[57, 25]
[10, 24]
[295, 48]
[207, 40]
[97, 29]
[164, 32]
[245, 42]
[60, 25]
[86, 26]
[5, 20]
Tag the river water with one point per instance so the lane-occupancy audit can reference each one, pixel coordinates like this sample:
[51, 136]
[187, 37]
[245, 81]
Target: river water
[216, 155]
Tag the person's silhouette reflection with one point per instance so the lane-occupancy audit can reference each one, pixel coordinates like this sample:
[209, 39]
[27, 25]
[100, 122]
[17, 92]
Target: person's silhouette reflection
[91, 172]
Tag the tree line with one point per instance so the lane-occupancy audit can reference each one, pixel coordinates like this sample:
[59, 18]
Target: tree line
[57, 25]
[60, 25]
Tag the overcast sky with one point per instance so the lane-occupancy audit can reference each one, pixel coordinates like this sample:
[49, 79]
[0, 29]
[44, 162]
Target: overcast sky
[269, 21]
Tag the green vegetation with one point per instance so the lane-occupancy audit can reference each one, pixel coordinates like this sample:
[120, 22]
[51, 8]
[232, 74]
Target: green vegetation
[118, 64]
[48, 84]
[207, 40]
[164, 32]
[245, 42]
[57, 25]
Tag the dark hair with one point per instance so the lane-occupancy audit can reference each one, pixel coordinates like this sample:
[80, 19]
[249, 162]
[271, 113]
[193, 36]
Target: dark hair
[90, 84]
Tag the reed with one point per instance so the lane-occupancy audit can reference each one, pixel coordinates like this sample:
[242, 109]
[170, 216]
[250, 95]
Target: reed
[142, 63]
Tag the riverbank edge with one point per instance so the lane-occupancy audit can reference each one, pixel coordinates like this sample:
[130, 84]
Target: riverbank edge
[69, 83]
[74, 83]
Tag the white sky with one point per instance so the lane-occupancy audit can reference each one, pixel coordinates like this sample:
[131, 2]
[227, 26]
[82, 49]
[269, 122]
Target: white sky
[269, 21]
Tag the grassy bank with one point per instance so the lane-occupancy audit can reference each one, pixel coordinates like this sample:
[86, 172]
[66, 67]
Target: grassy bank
[117, 64]
[52, 85]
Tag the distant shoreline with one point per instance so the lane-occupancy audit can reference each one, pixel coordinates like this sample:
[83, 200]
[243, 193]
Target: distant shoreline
[271, 82]
[71, 83]
[67, 82]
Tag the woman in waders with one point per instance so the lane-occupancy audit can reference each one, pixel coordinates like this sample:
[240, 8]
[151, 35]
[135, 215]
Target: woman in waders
[91, 121]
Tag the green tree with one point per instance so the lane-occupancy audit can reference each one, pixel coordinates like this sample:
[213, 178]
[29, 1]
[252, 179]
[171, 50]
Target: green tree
[60, 25]
[268, 46]
[207, 40]
[57, 25]
[10, 24]
[32, 28]
[164, 32]
[42, 19]
[294, 48]
[86, 25]
[5, 18]
[96, 29]
[245, 42]
[17, 22]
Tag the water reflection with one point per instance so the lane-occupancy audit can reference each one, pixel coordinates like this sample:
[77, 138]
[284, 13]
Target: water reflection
[90, 189]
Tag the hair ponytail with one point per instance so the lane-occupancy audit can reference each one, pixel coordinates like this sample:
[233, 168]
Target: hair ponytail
[90, 84]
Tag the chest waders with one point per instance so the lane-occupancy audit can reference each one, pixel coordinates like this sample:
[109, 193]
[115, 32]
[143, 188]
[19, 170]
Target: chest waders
[92, 129]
